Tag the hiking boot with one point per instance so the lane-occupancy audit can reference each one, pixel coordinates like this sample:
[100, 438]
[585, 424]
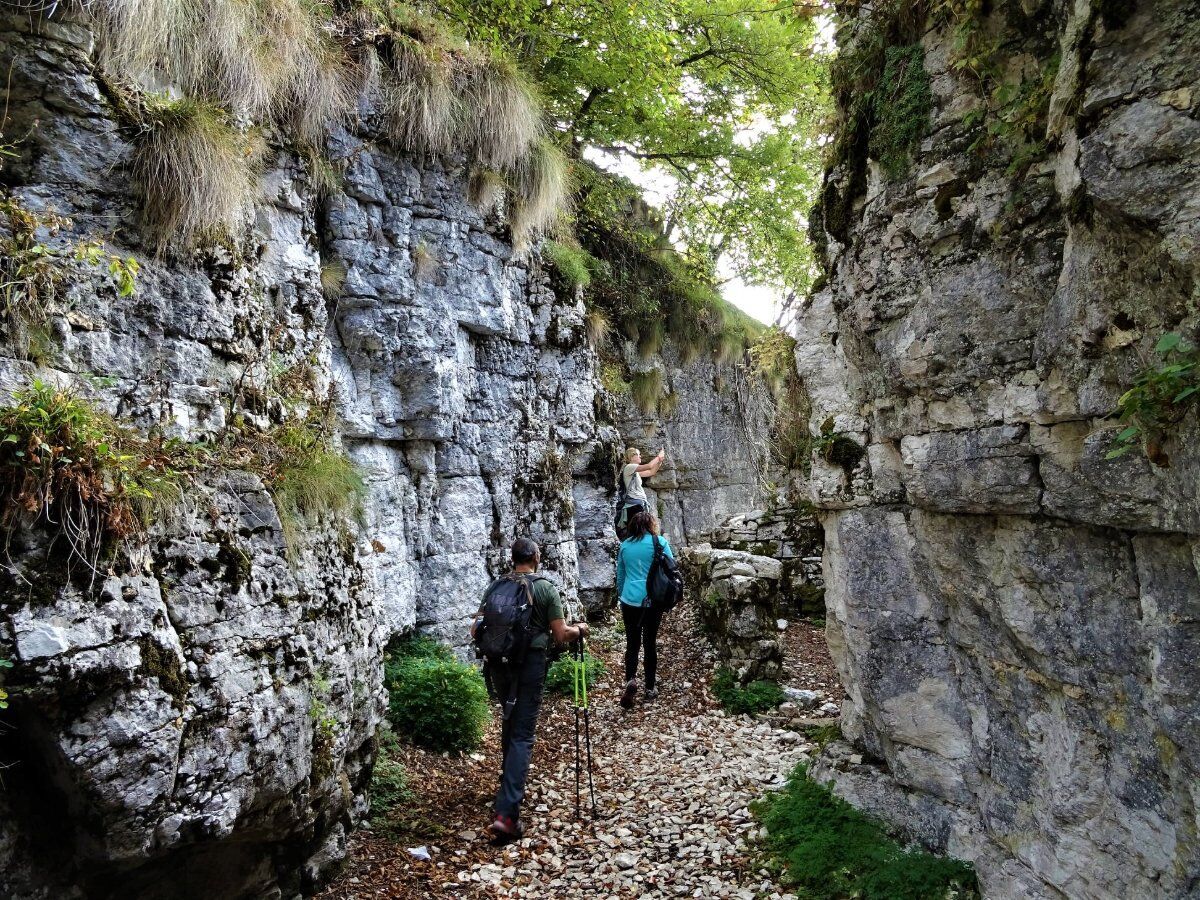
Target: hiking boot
[650, 695]
[505, 829]
[630, 691]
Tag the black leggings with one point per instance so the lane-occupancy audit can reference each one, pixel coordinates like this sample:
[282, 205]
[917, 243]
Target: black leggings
[641, 630]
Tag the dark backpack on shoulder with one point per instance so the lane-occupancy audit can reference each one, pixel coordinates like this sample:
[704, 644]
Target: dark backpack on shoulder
[503, 634]
[664, 583]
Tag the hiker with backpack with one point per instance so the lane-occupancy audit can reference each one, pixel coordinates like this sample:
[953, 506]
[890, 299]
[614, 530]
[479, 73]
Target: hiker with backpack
[631, 495]
[648, 585]
[519, 614]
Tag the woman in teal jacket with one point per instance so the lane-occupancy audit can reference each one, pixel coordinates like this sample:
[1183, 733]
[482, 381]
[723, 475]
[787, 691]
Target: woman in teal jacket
[641, 624]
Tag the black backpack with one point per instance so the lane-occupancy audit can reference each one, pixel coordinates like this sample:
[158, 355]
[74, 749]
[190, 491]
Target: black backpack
[664, 583]
[503, 634]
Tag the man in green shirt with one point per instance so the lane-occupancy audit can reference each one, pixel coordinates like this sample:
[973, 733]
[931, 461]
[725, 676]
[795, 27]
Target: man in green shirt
[516, 733]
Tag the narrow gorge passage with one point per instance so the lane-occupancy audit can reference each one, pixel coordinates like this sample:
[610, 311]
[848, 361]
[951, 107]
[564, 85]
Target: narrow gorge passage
[674, 781]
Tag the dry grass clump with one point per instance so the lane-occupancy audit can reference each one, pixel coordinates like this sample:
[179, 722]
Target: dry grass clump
[541, 184]
[650, 339]
[599, 328]
[197, 171]
[268, 60]
[647, 390]
[299, 65]
[502, 117]
[333, 279]
[419, 99]
[485, 189]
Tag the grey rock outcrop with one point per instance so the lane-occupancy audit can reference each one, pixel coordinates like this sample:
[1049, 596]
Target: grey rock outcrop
[717, 462]
[789, 533]
[737, 597]
[1013, 615]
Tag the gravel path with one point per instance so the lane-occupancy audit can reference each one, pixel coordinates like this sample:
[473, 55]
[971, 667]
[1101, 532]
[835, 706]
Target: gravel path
[674, 781]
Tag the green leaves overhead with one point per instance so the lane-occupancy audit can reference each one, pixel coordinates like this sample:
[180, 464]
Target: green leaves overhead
[726, 97]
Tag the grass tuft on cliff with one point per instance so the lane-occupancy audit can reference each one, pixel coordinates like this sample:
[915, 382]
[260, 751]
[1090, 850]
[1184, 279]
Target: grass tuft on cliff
[647, 389]
[419, 98]
[197, 172]
[309, 478]
[541, 185]
[902, 101]
[501, 114]
[830, 850]
[69, 467]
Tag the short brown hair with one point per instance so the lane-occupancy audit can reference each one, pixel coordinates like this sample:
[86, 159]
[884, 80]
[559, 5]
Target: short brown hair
[524, 551]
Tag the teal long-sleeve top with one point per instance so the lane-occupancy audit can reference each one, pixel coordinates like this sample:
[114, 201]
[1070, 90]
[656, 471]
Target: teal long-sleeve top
[633, 567]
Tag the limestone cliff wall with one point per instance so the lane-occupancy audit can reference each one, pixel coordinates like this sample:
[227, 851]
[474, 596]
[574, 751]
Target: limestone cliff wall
[209, 704]
[1014, 616]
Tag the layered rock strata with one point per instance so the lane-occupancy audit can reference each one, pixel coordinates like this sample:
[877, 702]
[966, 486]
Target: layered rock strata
[791, 534]
[1014, 615]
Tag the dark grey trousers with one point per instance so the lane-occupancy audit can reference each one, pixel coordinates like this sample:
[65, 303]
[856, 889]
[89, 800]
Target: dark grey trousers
[516, 733]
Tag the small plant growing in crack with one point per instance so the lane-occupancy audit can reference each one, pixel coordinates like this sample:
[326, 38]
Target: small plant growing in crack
[1159, 399]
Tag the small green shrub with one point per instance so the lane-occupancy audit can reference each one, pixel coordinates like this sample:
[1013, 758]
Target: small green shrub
[831, 850]
[823, 734]
[441, 703]
[613, 379]
[32, 272]
[838, 448]
[420, 646]
[560, 678]
[1160, 397]
[4, 664]
[756, 697]
[389, 782]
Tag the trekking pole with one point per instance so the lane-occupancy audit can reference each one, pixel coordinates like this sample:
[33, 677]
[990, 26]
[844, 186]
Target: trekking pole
[575, 684]
[587, 731]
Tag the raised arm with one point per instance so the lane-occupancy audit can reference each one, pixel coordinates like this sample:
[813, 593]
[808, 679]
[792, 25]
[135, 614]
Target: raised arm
[652, 467]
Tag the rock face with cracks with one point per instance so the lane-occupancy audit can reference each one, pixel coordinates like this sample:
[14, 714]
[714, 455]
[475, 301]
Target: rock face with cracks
[1013, 615]
[198, 719]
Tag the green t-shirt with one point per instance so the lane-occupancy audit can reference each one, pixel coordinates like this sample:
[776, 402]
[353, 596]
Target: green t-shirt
[547, 606]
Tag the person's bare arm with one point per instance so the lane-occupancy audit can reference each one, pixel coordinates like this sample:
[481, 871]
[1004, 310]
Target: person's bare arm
[564, 633]
[652, 467]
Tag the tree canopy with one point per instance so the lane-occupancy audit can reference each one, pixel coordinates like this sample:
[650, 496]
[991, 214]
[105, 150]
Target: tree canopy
[727, 96]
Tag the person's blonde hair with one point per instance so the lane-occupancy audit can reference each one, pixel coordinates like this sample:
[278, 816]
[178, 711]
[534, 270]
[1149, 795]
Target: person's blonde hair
[629, 451]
